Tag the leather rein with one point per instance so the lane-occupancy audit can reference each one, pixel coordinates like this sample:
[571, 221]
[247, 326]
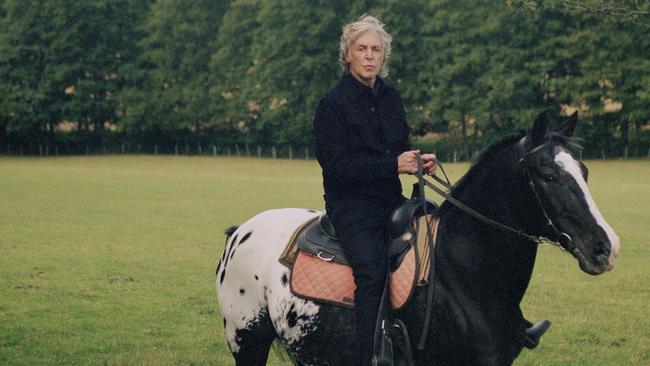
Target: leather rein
[563, 240]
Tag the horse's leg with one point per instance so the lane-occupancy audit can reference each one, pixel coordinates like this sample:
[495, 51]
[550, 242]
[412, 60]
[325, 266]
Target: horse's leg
[254, 342]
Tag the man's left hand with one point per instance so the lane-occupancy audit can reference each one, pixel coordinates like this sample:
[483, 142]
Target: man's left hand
[430, 164]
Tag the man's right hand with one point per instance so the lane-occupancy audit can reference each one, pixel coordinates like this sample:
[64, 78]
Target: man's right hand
[407, 162]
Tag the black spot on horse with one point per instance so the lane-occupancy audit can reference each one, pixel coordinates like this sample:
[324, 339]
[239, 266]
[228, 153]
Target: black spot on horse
[285, 280]
[244, 238]
[223, 275]
[257, 278]
[242, 291]
[224, 322]
[292, 318]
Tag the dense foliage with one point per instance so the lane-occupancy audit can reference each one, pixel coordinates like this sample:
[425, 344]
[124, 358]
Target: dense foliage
[234, 72]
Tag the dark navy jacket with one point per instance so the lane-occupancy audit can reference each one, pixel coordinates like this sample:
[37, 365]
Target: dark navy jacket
[359, 133]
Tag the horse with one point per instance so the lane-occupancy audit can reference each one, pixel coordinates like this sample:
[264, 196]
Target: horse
[530, 181]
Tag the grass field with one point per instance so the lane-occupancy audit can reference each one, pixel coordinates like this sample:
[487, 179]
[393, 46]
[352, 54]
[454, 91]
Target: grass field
[110, 260]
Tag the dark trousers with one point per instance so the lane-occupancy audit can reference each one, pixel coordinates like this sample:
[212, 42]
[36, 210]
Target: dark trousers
[366, 245]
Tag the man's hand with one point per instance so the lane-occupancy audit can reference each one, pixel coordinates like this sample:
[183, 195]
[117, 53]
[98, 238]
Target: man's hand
[407, 162]
[430, 164]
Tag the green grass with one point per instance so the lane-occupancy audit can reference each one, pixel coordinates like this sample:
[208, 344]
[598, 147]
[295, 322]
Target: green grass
[110, 260]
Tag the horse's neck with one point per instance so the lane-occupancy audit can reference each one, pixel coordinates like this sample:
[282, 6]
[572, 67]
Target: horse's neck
[490, 261]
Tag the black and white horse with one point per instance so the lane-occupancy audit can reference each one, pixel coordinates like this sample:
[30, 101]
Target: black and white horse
[482, 272]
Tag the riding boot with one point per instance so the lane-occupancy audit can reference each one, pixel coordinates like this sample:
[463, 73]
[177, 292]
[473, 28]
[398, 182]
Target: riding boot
[534, 333]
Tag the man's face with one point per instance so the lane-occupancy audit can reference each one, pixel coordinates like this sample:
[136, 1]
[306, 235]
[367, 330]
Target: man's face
[366, 57]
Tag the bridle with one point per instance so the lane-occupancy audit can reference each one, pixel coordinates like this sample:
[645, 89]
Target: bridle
[563, 240]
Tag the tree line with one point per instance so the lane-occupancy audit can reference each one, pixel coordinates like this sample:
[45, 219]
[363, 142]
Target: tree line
[86, 74]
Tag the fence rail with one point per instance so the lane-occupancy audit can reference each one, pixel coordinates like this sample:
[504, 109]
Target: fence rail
[244, 150]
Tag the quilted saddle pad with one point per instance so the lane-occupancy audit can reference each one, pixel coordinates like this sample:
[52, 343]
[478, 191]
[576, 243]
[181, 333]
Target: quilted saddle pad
[316, 279]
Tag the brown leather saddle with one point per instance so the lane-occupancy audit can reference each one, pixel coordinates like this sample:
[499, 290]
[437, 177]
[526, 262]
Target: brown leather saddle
[320, 271]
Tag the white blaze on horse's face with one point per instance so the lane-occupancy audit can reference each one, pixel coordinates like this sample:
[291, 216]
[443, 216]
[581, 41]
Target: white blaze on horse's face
[565, 161]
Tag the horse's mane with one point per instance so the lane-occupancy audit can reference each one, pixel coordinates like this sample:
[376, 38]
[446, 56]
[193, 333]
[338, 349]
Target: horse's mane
[482, 165]
[487, 161]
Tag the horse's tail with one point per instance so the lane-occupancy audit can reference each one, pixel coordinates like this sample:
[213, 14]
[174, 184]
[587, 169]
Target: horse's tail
[231, 230]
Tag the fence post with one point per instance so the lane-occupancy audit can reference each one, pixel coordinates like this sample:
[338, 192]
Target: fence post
[214, 150]
[306, 153]
[259, 151]
[237, 150]
[273, 152]
[625, 155]
[47, 149]
[123, 149]
[22, 151]
[290, 153]
[455, 156]
[602, 153]
[248, 152]
[229, 152]
[104, 149]
[199, 149]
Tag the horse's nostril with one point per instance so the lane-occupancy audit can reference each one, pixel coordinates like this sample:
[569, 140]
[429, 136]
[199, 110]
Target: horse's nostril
[601, 249]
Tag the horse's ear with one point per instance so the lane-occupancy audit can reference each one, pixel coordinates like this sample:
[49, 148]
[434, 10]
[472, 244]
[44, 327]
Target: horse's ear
[568, 127]
[540, 128]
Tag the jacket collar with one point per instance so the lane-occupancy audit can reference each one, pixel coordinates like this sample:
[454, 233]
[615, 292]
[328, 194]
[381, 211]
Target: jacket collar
[353, 88]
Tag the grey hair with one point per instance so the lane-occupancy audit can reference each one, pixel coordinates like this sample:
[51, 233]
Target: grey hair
[353, 30]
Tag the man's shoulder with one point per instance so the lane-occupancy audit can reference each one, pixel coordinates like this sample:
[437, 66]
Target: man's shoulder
[390, 91]
[333, 97]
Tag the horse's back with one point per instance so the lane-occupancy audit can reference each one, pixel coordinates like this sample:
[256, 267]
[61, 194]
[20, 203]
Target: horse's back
[251, 283]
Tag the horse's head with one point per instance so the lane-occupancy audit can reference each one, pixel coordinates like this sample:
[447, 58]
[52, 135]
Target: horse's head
[560, 182]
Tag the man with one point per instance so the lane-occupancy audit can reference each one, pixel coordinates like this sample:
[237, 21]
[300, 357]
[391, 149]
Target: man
[362, 146]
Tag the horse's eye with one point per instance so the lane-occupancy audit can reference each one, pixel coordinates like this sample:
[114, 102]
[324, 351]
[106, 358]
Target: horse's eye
[549, 178]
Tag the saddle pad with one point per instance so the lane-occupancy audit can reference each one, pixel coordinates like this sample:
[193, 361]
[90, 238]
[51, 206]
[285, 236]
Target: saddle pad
[315, 279]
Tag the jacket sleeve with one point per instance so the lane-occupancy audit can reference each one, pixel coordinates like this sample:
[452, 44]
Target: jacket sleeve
[406, 146]
[335, 156]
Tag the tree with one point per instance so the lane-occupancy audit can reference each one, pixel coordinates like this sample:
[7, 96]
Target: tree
[170, 94]
[61, 60]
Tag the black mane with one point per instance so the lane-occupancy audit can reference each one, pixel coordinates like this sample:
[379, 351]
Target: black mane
[481, 166]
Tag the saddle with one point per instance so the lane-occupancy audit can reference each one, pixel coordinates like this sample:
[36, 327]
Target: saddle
[320, 271]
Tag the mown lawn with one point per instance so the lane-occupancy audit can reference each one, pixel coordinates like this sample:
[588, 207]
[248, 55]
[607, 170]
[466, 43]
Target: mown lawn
[110, 260]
